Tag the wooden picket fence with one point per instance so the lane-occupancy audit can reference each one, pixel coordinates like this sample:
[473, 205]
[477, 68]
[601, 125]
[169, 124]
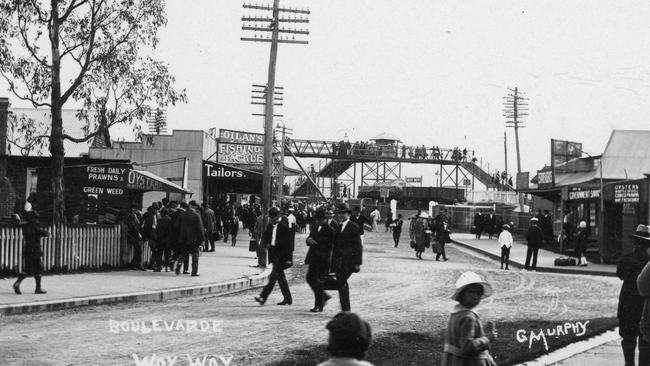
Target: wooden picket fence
[81, 247]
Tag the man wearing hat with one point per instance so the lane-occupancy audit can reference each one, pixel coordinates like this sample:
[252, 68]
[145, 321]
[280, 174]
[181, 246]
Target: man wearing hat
[277, 238]
[346, 253]
[534, 237]
[349, 340]
[190, 236]
[320, 240]
[631, 298]
[360, 220]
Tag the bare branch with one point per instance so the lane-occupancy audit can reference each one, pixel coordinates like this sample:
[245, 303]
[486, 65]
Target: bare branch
[39, 12]
[22, 25]
[73, 6]
[12, 88]
[89, 51]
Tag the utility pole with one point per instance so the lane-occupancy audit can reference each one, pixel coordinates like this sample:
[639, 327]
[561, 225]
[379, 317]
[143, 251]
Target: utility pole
[280, 166]
[505, 151]
[515, 108]
[272, 24]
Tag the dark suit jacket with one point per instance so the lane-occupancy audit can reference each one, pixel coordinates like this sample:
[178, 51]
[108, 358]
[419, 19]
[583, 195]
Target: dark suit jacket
[321, 251]
[190, 229]
[534, 236]
[347, 250]
[360, 221]
[283, 249]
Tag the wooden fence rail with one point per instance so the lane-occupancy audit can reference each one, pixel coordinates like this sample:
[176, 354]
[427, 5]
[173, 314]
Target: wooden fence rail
[81, 248]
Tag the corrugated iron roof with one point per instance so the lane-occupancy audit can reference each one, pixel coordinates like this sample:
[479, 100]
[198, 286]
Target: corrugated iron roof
[627, 155]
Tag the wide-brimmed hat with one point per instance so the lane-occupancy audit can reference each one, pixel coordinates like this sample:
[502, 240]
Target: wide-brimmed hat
[349, 329]
[642, 232]
[469, 278]
[343, 207]
[582, 224]
[534, 219]
[506, 227]
[423, 215]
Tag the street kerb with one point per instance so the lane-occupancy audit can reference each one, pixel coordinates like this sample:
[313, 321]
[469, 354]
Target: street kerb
[216, 289]
[513, 263]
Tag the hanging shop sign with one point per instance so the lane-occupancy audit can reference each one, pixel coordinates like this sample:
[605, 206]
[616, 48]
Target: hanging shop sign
[413, 179]
[230, 153]
[544, 178]
[225, 172]
[140, 181]
[241, 137]
[626, 193]
[578, 193]
[563, 152]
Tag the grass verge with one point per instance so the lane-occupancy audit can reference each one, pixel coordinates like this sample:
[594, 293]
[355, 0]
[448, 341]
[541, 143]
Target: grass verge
[407, 348]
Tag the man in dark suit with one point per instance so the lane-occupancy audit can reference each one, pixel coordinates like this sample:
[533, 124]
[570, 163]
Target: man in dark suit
[360, 220]
[346, 253]
[478, 224]
[534, 237]
[190, 235]
[277, 238]
[320, 240]
[490, 223]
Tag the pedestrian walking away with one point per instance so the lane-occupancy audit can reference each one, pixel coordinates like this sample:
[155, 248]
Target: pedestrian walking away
[376, 217]
[505, 243]
[32, 251]
[320, 242]
[134, 237]
[277, 238]
[534, 237]
[347, 253]
[389, 220]
[442, 237]
[419, 234]
[190, 236]
[397, 229]
[466, 343]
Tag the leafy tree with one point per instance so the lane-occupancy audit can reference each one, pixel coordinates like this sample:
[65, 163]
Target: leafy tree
[105, 48]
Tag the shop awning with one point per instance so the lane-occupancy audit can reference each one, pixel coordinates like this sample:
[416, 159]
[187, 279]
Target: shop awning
[142, 180]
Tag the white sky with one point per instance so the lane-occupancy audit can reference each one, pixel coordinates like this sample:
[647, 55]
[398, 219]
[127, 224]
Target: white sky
[430, 72]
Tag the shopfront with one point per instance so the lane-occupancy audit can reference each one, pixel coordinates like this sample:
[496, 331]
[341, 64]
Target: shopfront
[225, 183]
[626, 206]
[584, 204]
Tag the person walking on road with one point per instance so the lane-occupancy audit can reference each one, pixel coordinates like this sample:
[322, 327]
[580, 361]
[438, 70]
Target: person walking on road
[277, 238]
[347, 253]
[260, 224]
[32, 252]
[190, 236]
[320, 242]
[389, 220]
[636, 287]
[534, 237]
[376, 217]
[419, 235]
[360, 220]
[397, 229]
[233, 230]
[505, 243]
[443, 237]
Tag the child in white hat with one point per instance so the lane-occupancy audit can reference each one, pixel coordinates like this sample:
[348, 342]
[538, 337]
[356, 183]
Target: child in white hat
[465, 341]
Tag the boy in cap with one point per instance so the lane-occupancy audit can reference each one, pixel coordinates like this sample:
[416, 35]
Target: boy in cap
[505, 242]
[349, 340]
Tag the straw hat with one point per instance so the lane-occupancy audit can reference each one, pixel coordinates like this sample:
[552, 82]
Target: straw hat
[468, 278]
[642, 232]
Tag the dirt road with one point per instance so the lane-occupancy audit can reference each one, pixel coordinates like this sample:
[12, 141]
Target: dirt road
[394, 291]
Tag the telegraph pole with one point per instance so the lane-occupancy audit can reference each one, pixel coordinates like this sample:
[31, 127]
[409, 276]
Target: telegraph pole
[515, 108]
[505, 151]
[272, 24]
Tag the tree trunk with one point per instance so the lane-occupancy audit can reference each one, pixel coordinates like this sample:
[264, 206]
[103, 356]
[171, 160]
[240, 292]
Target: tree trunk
[56, 138]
